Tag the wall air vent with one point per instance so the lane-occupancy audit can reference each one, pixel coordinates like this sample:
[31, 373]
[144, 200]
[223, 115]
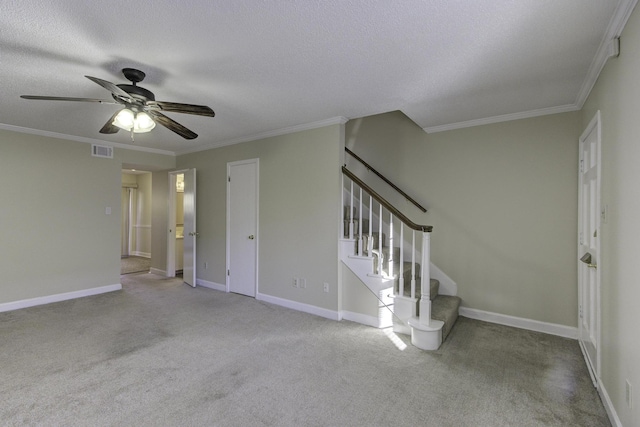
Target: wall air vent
[102, 151]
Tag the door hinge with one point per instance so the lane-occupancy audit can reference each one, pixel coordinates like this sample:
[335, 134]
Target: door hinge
[580, 311]
[228, 272]
[581, 165]
[229, 178]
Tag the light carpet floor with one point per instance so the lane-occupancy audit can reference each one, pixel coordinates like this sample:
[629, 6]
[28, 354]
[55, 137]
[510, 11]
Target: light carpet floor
[159, 353]
[134, 264]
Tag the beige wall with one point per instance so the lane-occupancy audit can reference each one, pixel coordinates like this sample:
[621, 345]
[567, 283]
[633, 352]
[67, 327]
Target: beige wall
[299, 212]
[617, 96]
[129, 178]
[144, 160]
[357, 299]
[502, 199]
[55, 235]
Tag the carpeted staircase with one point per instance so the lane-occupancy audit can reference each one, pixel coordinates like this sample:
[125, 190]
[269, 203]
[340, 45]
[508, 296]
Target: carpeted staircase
[377, 263]
[443, 307]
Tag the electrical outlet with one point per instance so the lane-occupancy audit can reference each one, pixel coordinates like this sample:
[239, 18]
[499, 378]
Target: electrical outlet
[302, 283]
[295, 282]
[629, 394]
[326, 287]
[206, 265]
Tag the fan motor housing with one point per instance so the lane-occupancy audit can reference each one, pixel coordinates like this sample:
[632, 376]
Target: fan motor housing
[138, 92]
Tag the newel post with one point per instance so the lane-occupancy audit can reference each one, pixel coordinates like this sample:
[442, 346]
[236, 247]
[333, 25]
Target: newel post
[425, 280]
[426, 333]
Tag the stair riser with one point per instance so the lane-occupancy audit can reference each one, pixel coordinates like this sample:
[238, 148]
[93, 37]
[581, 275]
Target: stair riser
[444, 308]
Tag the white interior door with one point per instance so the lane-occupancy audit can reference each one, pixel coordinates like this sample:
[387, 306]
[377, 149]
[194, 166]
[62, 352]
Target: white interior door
[242, 227]
[589, 247]
[190, 233]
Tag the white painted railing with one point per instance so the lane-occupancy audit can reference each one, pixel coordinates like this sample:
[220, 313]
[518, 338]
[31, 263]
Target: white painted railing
[359, 200]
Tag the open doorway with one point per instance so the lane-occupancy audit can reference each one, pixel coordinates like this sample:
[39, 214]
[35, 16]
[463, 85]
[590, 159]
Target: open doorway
[181, 236]
[179, 225]
[135, 213]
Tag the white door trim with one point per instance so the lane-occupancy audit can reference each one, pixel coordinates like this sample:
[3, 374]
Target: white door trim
[171, 221]
[594, 125]
[255, 161]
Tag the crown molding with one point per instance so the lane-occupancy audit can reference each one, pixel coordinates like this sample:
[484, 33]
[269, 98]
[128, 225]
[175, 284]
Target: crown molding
[616, 25]
[614, 30]
[502, 118]
[284, 131]
[66, 137]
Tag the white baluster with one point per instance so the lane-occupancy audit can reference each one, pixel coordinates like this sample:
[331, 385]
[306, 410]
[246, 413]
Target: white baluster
[350, 214]
[370, 242]
[344, 230]
[360, 226]
[390, 245]
[380, 240]
[413, 264]
[401, 272]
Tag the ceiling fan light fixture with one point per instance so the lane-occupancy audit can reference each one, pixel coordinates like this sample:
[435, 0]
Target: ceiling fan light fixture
[137, 101]
[143, 123]
[138, 122]
[125, 119]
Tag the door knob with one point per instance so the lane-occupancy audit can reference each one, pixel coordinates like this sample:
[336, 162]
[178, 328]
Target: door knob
[252, 237]
[193, 233]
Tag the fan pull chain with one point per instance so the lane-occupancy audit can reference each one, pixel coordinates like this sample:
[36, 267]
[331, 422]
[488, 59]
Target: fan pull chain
[132, 138]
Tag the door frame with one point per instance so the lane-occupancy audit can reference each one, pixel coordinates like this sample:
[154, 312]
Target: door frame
[171, 221]
[125, 217]
[593, 126]
[255, 161]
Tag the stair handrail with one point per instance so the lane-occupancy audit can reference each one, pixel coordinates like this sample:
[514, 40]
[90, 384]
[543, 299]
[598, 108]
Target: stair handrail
[386, 204]
[423, 325]
[382, 177]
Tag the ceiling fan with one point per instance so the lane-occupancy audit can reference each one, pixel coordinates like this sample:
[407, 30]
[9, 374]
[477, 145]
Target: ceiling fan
[141, 111]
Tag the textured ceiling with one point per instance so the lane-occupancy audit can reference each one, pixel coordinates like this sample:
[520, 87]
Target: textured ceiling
[268, 67]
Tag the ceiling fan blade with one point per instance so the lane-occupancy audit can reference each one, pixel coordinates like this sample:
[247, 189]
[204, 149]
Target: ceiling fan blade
[172, 125]
[109, 127]
[115, 90]
[200, 110]
[65, 98]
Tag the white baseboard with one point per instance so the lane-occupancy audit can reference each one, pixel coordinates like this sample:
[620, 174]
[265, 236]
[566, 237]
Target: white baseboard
[608, 405]
[299, 306]
[520, 322]
[141, 254]
[158, 272]
[211, 285]
[366, 319]
[32, 302]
